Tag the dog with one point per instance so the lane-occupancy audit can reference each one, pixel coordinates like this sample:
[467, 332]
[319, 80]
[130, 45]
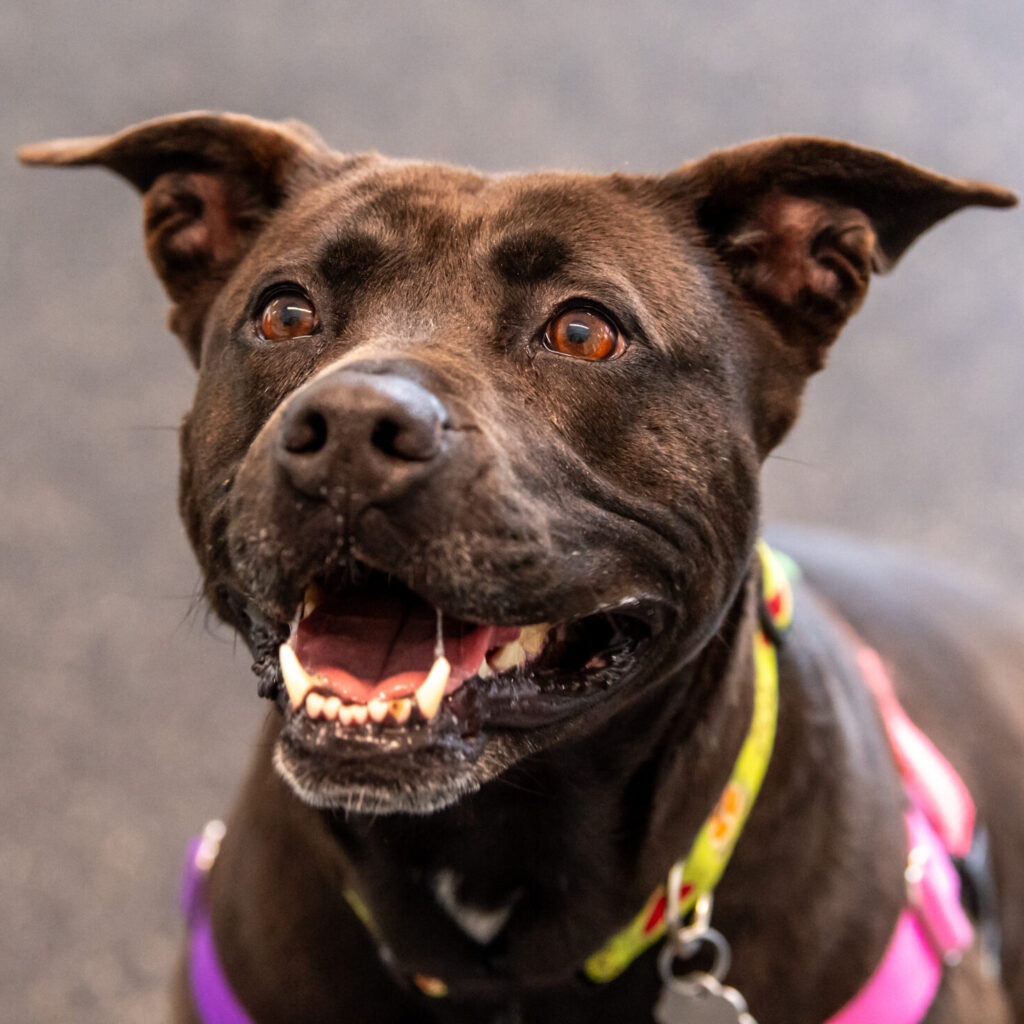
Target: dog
[472, 467]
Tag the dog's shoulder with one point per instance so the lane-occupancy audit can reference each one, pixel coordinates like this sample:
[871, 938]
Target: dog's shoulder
[954, 645]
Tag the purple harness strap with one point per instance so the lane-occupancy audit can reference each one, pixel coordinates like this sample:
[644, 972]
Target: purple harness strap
[214, 1000]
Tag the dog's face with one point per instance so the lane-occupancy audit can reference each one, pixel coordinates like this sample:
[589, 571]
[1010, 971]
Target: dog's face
[415, 383]
[515, 419]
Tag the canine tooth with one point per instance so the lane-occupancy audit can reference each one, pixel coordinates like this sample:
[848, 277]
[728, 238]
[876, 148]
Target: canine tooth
[378, 709]
[431, 691]
[359, 714]
[532, 637]
[508, 656]
[485, 671]
[297, 681]
[331, 707]
[312, 597]
[314, 705]
[400, 710]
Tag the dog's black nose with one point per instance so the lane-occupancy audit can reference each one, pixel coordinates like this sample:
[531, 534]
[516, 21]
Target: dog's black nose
[370, 434]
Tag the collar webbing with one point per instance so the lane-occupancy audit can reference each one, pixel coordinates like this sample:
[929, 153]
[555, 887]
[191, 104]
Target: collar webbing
[707, 859]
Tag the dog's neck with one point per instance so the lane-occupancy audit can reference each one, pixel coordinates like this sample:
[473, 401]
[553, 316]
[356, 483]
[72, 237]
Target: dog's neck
[537, 870]
[825, 839]
[549, 856]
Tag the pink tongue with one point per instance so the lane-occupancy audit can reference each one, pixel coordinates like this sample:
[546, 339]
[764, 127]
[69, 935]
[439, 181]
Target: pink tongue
[382, 645]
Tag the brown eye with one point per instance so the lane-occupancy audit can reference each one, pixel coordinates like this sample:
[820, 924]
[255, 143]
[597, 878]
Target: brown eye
[288, 316]
[579, 332]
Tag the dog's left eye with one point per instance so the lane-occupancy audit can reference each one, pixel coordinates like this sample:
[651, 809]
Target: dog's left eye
[286, 316]
[584, 334]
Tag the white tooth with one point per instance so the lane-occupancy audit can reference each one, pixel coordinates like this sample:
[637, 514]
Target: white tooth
[532, 637]
[400, 710]
[378, 709]
[331, 707]
[431, 691]
[297, 681]
[345, 714]
[314, 705]
[485, 671]
[313, 596]
[508, 656]
[359, 714]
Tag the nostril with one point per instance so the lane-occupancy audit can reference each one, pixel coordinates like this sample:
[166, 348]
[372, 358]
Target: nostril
[412, 438]
[306, 434]
[385, 437]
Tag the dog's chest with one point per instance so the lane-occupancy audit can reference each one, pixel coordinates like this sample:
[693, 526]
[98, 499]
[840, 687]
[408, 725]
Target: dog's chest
[481, 924]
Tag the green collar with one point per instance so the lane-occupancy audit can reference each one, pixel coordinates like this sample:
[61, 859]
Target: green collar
[707, 859]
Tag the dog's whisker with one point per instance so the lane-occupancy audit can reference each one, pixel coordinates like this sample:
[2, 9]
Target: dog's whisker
[796, 462]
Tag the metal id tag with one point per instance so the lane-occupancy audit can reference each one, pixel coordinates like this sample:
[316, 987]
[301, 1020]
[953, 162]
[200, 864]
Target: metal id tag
[700, 999]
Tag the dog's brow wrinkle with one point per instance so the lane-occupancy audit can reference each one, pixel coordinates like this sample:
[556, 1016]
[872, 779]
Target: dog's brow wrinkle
[350, 257]
[528, 257]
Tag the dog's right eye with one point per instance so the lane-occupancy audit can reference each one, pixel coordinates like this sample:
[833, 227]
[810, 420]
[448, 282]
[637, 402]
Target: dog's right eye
[286, 316]
[584, 334]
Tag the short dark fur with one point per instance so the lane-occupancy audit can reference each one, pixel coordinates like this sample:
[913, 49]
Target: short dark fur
[555, 487]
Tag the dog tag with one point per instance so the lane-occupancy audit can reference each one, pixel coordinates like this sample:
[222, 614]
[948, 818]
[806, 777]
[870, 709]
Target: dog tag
[700, 999]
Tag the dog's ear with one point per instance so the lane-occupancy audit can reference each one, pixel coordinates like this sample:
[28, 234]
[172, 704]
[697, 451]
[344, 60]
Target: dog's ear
[801, 223]
[208, 183]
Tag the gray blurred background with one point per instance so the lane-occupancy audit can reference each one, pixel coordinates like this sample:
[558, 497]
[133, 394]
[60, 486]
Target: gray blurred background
[129, 719]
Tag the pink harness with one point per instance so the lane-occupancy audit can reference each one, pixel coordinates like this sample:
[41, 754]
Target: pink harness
[933, 930]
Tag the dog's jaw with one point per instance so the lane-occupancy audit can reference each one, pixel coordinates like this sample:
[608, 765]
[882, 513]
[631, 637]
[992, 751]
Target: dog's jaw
[364, 746]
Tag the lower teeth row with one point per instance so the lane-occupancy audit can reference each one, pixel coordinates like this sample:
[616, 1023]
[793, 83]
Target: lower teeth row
[332, 709]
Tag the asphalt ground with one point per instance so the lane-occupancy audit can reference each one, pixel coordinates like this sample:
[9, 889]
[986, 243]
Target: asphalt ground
[129, 716]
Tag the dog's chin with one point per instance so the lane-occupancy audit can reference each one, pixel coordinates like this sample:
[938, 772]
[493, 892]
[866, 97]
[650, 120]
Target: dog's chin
[391, 705]
[417, 770]
[406, 787]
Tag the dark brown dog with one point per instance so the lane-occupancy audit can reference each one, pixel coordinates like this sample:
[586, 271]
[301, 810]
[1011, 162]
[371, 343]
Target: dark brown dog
[545, 400]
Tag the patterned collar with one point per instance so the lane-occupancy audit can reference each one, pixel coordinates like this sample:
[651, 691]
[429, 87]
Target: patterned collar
[702, 867]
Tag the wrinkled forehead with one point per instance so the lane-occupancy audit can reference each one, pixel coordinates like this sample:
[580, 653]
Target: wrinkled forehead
[421, 221]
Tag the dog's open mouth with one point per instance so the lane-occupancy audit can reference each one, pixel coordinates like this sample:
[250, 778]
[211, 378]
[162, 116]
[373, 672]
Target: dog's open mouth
[377, 661]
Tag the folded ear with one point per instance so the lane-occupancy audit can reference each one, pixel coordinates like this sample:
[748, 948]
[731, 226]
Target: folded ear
[801, 223]
[208, 183]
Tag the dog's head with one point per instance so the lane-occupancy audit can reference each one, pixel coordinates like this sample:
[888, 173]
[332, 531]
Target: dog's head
[519, 419]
